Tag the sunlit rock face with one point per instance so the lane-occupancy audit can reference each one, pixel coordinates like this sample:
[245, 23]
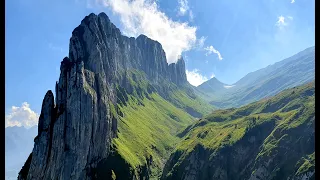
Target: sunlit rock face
[76, 125]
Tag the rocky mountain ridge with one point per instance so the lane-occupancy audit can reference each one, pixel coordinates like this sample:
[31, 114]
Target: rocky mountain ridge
[102, 48]
[120, 109]
[104, 70]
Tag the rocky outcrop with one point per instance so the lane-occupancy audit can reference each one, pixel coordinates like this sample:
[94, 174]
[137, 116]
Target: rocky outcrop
[102, 48]
[76, 129]
[177, 72]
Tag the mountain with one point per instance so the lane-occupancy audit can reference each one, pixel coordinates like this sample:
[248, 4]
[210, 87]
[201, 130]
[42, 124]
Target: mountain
[269, 139]
[18, 144]
[117, 108]
[120, 111]
[211, 88]
[266, 82]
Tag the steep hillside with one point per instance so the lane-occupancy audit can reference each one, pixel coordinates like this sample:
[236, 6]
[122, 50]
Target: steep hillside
[266, 82]
[117, 109]
[269, 139]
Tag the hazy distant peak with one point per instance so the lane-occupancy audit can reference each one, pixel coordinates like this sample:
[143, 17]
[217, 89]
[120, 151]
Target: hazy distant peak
[215, 80]
[213, 85]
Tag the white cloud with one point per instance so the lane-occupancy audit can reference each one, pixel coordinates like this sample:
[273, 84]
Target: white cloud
[200, 42]
[144, 17]
[210, 50]
[183, 7]
[293, 1]
[21, 116]
[212, 76]
[283, 21]
[195, 78]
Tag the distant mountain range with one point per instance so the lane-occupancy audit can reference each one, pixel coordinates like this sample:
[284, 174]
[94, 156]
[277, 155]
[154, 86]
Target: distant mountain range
[288, 73]
[18, 145]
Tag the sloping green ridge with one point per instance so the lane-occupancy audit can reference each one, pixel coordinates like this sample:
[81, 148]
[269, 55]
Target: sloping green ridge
[149, 130]
[148, 124]
[274, 135]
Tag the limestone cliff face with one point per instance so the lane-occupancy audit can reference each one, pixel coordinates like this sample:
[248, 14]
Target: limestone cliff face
[76, 129]
[177, 72]
[102, 48]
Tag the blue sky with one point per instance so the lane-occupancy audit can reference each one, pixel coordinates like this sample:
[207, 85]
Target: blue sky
[222, 38]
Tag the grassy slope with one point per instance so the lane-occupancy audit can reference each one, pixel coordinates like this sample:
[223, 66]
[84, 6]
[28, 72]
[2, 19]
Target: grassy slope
[290, 111]
[305, 165]
[148, 124]
[194, 105]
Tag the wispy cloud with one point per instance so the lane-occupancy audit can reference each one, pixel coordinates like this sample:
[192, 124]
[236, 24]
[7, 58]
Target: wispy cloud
[144, 17]
[293, 1]
[195, 78]
[200, 42]
[210, 50]
[21, 116]
[186, 58]
[183, 7]
[283, 21]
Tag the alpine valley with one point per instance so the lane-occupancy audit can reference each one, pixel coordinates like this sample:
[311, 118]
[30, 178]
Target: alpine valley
[120, 111]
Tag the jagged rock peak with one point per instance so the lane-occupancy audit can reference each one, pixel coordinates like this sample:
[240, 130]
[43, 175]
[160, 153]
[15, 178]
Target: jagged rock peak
[101, 46]
[76, 131]
[143, 37]
[177, 71]
[47, 111]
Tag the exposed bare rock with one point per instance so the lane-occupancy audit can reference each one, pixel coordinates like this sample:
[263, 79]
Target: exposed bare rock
[76, 130]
